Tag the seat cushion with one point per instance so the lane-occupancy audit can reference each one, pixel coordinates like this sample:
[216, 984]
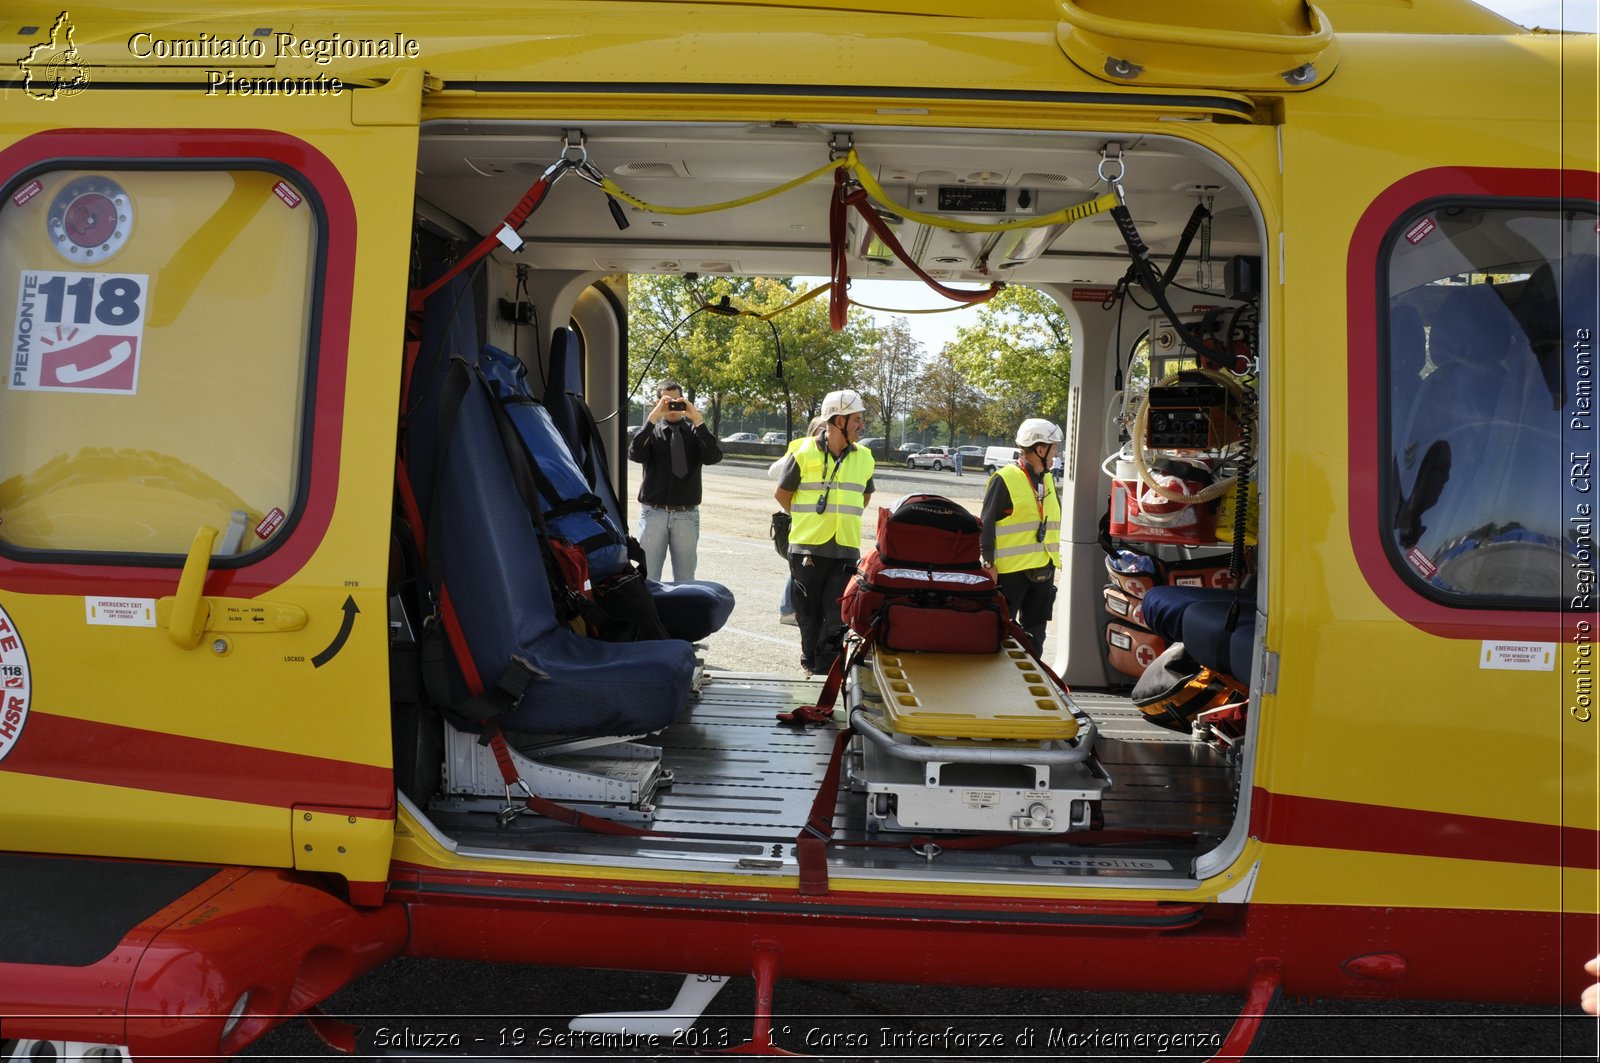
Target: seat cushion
[692, 609]
[1164, 607]
[1198, 618]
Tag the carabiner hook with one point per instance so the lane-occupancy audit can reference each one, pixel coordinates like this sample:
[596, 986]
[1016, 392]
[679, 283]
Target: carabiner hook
[1111, 155]
[568, 147]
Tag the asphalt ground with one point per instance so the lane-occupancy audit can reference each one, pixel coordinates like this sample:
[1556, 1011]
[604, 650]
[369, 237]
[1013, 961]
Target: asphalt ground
[513, 1011]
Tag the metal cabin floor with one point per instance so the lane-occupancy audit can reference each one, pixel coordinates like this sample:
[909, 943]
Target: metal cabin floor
[743, 786]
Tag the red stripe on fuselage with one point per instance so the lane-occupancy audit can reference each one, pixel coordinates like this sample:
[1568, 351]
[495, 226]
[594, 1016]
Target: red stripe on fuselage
[1322, 823]
[62, 747]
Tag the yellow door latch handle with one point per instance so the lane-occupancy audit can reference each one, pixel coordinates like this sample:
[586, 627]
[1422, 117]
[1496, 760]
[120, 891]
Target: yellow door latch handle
[187, 611]
[188, 614]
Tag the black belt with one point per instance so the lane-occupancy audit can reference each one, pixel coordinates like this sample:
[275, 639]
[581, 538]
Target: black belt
[671, 509]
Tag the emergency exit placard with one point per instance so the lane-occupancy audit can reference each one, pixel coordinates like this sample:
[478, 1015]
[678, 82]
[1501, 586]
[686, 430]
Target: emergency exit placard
[78, 332]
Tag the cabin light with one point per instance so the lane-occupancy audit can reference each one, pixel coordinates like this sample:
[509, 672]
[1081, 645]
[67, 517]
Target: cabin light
[236, 1014]
[1021, 245]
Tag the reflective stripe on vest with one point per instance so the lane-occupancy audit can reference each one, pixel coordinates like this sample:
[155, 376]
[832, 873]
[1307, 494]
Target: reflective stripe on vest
[845, 486]
[1016, 537]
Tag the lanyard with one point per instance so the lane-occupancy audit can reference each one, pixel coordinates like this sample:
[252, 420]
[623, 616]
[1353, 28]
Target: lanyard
[1038, 497]
[827, 481]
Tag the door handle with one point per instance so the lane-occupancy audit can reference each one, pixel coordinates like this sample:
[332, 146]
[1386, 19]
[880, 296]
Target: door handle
[188, 614]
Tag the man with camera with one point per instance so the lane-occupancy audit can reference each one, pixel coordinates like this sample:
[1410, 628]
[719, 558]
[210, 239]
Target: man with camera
[672, 446]
[825, 485]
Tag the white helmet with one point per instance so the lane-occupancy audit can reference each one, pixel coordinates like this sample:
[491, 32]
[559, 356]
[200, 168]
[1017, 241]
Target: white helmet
[1036, 430]
[842, 403]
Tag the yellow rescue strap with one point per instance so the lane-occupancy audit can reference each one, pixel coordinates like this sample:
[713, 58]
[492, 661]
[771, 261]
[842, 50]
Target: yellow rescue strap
[1065, 216]
[710, 208]
[863, 177]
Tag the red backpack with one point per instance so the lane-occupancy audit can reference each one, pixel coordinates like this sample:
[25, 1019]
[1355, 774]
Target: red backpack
[923, 587]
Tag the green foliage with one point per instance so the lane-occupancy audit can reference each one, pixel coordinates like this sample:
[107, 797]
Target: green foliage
[729, 363]
[889, 378]
[1013, 362]
[945, 394]
[1019, 353]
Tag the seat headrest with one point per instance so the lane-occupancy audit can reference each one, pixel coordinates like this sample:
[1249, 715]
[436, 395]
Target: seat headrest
[566, 369]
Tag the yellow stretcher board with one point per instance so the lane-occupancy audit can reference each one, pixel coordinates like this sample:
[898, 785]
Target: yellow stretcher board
[1003, 695]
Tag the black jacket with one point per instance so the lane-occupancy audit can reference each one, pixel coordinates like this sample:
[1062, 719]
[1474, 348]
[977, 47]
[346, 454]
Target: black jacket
[651, 447]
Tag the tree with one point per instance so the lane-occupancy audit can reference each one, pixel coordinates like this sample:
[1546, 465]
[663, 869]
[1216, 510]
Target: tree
[729, 361]
[1019, 351]
[816, 359]
[890, 375]
[945, 394]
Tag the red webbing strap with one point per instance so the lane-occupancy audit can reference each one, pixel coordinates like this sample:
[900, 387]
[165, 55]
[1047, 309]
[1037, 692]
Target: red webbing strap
[458, 643]
[874, 220]
[811, 845]
[502, 752]
[573, 818]
[409, 508]
[519, 214]
[544, 806]
[839, 256]
[408, 361]
[822, 711]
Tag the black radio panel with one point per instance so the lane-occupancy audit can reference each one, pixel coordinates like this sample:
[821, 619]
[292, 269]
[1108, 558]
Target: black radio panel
[1188, 416]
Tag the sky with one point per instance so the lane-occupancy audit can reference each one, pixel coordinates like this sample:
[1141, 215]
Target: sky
[935, 330]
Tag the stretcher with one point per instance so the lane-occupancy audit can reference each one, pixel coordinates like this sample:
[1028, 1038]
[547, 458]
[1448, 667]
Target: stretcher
[971, 742]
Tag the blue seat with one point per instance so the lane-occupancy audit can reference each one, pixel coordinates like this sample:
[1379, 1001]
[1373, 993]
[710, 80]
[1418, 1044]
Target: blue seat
[486, 567]
[689, 610]
[1198, 618]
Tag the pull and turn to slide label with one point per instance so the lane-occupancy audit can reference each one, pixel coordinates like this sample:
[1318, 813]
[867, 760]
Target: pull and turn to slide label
[78, 332]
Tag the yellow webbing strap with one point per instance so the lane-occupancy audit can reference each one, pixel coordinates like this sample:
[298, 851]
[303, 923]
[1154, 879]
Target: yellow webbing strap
[869, 184]
[927, 310]
[709, 208]
[770, 314]
[1065, 216]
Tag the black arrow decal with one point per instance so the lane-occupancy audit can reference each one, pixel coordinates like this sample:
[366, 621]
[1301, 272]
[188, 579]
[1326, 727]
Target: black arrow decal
[337, 644]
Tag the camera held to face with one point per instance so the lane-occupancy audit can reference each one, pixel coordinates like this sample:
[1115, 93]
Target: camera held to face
[677, 405]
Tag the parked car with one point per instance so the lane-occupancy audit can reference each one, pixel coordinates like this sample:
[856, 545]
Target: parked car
[971, 456]
[910, 448]
[774, 437]
[741, 437]
[876, 444]
[935, 458]
[995, 457]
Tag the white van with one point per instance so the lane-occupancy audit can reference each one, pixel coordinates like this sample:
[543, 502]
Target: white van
[994, 457]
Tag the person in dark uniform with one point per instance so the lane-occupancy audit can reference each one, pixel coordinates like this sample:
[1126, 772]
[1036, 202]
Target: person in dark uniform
[672, 446]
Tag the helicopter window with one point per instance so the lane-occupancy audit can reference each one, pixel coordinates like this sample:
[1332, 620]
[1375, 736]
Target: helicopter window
[1489, 367]
[160, 322]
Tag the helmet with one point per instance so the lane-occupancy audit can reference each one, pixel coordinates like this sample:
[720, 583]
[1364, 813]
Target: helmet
[841, 403]
[1036, 430]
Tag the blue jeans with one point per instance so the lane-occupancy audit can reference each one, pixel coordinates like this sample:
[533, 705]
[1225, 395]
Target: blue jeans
[677, 528]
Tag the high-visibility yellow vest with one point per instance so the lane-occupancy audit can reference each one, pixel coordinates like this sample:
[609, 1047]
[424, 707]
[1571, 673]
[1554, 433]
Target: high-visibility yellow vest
[1016, 537]
[843, 486]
